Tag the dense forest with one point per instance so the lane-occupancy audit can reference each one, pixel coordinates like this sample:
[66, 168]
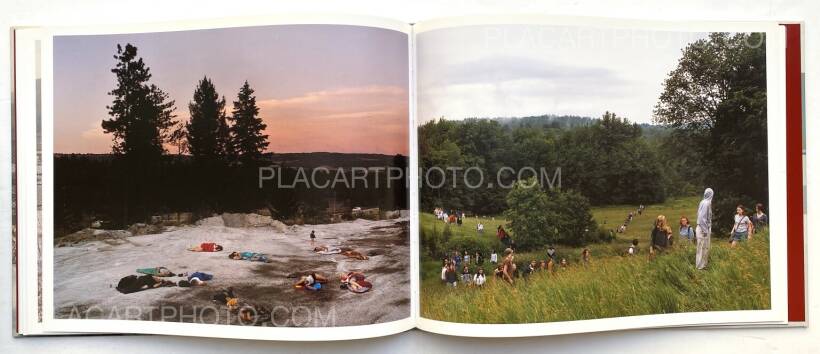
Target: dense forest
[709, 130]
[609, 160]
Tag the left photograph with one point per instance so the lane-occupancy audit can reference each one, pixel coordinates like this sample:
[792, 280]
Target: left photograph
[236, 176]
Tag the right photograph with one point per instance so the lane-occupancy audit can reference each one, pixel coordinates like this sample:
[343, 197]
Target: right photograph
[576, 173]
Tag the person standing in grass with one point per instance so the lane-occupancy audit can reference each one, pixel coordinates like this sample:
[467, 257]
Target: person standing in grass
[532, 267]
[466, 277]
[586, 256]
[508, 267]
[759, 219]
[445, 262]
[661, 233]
[494, 257]
[479, 278]
[551, 253]
[741, 231]
[502, 235]
[480, 228]
[450, 275]
[466, 258]
[686, 232]
[703, 229]
[479, 259]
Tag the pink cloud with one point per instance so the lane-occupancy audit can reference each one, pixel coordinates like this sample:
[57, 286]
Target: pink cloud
[357, 119]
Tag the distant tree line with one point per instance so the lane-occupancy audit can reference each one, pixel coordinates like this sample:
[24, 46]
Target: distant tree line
[607, 160]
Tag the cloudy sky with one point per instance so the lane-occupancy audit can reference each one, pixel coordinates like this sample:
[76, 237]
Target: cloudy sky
[523, 70]
[319, 87]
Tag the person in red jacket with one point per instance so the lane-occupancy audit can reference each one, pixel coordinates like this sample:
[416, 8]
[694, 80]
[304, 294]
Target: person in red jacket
[206, 247]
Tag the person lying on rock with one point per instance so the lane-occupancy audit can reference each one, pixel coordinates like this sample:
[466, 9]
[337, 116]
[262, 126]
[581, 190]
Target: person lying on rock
[227, 297]
[196, 279]
[250, 256]
[355, 255]
[158, 271]
[355, 282]
[312, 281]
[133, 283]
[206, 247]
[326, 250]
[253, 314]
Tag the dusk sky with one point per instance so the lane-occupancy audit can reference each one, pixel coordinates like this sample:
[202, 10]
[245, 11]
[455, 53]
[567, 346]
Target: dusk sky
[522, 70]
[319, 87]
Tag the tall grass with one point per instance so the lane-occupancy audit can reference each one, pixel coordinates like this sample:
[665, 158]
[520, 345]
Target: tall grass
[612, 286]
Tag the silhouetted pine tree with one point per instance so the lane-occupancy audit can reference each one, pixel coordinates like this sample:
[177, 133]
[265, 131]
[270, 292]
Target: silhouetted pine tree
[248, 140]
[142, 121]
[207, 130]
[141, 114]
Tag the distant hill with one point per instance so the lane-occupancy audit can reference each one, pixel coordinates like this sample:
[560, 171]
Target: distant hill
[552, 121]
[302, 159]
[545, 121]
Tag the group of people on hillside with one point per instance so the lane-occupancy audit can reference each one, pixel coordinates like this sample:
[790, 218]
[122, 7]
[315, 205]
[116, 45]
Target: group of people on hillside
[743, 229]
[453, 217]
[629, 217]
[469, 269]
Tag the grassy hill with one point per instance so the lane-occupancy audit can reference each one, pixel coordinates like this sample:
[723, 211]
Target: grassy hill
[607, 217]
[612, 285]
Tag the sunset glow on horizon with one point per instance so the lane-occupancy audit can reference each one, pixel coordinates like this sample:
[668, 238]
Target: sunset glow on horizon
[319, 88]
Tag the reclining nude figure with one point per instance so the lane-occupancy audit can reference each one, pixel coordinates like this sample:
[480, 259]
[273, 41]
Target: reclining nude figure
[355, 255]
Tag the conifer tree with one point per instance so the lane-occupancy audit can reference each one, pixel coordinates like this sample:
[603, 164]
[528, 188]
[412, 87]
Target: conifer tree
[248, 140]
[207, 130]
[141, 114]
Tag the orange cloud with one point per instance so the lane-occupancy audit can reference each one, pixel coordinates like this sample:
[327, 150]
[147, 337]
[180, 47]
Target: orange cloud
[371, 119]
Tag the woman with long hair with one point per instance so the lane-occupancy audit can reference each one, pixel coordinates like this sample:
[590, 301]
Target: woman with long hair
[686, 231]
[741, 231]
[759, 218]
[660, 236]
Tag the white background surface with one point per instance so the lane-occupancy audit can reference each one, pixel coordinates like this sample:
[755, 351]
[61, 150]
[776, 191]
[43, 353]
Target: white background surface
[39, 12]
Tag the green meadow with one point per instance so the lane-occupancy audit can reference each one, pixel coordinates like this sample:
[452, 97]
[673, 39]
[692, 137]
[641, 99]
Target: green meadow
[612, 285]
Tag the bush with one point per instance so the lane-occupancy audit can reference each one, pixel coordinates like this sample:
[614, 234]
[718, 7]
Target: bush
[540, 218]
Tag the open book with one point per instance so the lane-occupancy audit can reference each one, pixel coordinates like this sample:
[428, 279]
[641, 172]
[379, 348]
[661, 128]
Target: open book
[330, 178]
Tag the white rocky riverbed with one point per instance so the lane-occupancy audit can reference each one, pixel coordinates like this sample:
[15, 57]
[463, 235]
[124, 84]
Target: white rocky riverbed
[86, 273]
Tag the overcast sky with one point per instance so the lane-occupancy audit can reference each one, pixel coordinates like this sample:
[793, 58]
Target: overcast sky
[319, 87]
[523, 70]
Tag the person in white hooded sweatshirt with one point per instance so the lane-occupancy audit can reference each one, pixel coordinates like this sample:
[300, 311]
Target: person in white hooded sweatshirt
[703, 231]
